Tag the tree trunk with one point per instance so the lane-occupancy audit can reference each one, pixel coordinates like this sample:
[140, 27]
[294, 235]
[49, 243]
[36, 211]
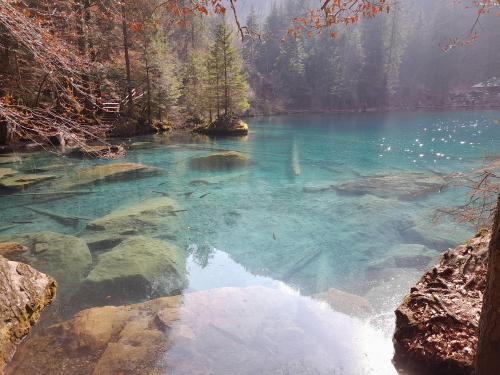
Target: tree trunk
[226, 84]
[5, 135]
[148, 82]
[127, 59]
[488, 350]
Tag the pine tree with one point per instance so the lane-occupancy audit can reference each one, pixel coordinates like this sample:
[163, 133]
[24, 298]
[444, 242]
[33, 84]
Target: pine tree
[195, 85]
[227, 88]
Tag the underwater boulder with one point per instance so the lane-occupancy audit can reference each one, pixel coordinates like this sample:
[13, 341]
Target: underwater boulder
[254, 330]
[106, 173]
[106, 340]
[19, 182]
[137, 269]
[221, 161]
[346, 303]
[5, 172]
[405, 186]
[9, 159]
[154, 215]
[65, 258]
[24, 293]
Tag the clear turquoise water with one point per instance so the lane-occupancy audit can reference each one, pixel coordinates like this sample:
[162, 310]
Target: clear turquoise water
[258, 226]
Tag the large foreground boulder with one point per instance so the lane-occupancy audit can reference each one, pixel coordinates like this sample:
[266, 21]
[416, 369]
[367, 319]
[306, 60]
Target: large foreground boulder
[224, 126]
[438, 322]
[24, 293]
[65, 258]
[224, 331]
[138, 269]
[106, 340]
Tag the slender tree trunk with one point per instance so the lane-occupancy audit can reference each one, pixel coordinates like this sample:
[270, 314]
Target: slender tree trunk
[127, 58]
[5, 134]
[217, 85]
[84, 45]
[226, 87]
[488, 350]
[148, 81]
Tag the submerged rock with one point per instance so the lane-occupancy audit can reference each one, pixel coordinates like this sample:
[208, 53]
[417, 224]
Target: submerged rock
[224, 126]
[437, 324]
[24, 293]
[137, 269]
[105, 173]
[242, 331]
[7, 172]
[402, 186]
[346, 303]
[20, 182]
[154, 215]
[63, 257]
[9, 159]
[106, 340]
[99, 151]
[222, 161]
[11, 249]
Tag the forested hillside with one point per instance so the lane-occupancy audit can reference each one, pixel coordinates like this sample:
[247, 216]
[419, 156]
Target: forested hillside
[71, 71]
[401, 60]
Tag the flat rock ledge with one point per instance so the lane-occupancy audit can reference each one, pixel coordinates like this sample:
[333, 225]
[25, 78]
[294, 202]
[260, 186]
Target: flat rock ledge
[437, 324]
[24, 293]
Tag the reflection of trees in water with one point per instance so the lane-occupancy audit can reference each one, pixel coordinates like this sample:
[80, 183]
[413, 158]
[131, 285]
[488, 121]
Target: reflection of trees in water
[201, 254]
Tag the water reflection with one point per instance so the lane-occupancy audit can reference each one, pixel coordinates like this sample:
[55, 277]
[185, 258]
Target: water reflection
[305, 205]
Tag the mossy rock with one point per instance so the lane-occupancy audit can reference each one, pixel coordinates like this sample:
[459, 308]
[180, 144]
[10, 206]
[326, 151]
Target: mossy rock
[5, 172]
[20, 182]
[66, 258]
[9, 159]
[222, 161]
[154, 215]
[106, 173]
[137, 269]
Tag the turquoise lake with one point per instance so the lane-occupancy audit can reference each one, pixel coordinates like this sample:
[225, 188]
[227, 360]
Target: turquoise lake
[349, 202]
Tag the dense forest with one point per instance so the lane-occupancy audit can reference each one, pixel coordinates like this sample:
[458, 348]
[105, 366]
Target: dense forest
[154, 67]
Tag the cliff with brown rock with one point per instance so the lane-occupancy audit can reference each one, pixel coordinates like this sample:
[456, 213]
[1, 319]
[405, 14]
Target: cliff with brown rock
[437, 324]
[24, 293]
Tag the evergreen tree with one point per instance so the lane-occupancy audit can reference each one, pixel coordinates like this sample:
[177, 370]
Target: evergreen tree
[227, 88]
[195, 85]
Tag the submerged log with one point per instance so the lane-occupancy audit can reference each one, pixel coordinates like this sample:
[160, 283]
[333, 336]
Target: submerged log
[62, 219]
[437, 324]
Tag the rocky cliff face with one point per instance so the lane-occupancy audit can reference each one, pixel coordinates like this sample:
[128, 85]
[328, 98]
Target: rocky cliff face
[437, 324]
[24, 293]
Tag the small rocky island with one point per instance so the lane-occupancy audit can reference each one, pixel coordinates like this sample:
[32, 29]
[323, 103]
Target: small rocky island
[227, 125]
[437, 324]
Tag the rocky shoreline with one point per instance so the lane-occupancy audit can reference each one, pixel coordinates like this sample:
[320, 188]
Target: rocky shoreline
[24, 293]
[437, 324]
